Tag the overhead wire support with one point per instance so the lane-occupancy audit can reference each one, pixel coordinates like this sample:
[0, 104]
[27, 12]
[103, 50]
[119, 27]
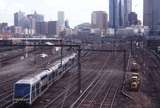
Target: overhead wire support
[79, 70]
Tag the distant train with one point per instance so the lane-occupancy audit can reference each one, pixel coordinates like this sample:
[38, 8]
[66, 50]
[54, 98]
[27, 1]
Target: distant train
[134, 82]
[134, 67]
[27, 90]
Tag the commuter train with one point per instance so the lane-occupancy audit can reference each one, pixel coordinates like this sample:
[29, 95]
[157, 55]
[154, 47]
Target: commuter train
[28, 89]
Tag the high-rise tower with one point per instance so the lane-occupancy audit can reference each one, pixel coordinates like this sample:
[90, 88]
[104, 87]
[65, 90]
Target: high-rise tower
[127, 11]
[151, 14]
[19, 18]
[99, 20]
[118, 12]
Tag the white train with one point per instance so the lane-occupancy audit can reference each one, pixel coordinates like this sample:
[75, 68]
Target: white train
[28, 89]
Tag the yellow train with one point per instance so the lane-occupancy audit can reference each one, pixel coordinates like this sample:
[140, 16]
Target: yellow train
[134, 67]
[134, 83]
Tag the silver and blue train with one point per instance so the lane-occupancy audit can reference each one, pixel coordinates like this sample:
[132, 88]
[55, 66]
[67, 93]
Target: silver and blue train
[28, 89]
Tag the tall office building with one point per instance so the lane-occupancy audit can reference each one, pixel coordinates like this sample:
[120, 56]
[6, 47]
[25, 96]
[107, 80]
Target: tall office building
[42, 28]
[38, 17]
[127, 11]
[67, 24]
[33, 19]
[132, 18]
[61, 18]
[118, 12]
[99, 20]
[3, 27]
[151, 14]
[114, 13]
[32, 23]
[147, 12]
[61, 21]
[52, 27]
[19, 19]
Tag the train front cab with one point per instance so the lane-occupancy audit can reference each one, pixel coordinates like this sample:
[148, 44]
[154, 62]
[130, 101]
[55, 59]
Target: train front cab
[22, 95]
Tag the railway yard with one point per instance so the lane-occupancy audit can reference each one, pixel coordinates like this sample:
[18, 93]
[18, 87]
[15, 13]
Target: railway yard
[102, 82]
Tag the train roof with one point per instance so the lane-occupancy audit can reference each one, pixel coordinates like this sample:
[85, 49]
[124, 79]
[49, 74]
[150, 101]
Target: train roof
[32, 79]
[54, 67]
[40, 75]
[64, 60]
[28, 80]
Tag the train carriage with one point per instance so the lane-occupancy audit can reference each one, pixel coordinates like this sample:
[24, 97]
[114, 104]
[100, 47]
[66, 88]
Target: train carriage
[23, 88]
[28, 89]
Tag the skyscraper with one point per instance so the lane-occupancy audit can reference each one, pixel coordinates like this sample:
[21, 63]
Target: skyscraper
[127, 11]
[152, 14]
[38, 17]
[67, 24]
[114, 13]
[118, 12]
[19, 19]
[46, 28]
[61, 18]
[42, 28]
[132, 18]
[99, 20]
[52, 27]
[32, 23]
[33, 19]
[61, 21]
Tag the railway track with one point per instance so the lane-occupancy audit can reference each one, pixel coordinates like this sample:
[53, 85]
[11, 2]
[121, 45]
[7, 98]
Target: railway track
[93, 96]
[68, 95]
[11, 57]
[153, 76]
[59, 86]
[5, 49]
[148, 95]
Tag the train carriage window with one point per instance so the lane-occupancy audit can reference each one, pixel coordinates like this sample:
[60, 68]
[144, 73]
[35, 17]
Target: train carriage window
[37, 88]
[50, 77]
[59, 70]
[22, 90]
[53, 74]
[44, 77]
[56, 72]
[59, 67]
[33, 91]
[64, 67]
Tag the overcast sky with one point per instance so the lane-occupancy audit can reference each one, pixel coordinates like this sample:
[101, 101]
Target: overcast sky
[76, 11]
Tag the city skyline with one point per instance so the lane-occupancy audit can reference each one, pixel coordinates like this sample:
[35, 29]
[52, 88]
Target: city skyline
[82, 8]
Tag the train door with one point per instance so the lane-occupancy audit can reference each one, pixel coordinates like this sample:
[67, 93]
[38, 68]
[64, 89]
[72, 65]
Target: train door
[53, 75]
[37, 88]
[33, 92]
[60, 69]
[44, 82]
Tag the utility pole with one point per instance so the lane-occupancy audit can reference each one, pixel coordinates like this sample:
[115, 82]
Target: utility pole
[114, 17]
[61, 52]
[79, 70]
[114, 24]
